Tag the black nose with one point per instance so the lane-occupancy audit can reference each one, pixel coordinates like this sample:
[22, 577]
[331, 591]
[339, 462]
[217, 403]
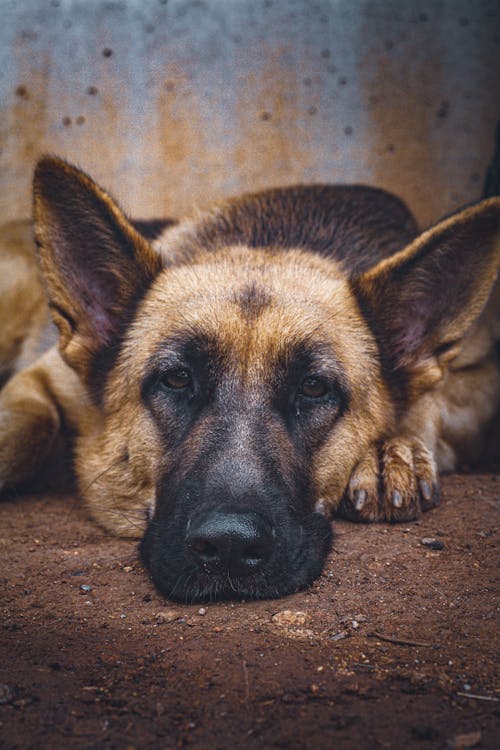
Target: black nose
[230, 541]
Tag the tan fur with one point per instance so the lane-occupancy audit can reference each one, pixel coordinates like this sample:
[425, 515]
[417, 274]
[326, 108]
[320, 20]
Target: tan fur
[377, 462]
[26, 326]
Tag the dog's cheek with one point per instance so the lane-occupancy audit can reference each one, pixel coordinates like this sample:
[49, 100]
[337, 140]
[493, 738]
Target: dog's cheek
[117, 469]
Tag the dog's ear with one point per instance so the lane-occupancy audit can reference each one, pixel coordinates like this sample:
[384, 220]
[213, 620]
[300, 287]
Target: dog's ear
[96, 265]
[422, 301]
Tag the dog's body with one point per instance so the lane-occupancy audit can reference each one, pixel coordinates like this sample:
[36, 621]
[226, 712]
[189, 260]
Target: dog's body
[249, 371]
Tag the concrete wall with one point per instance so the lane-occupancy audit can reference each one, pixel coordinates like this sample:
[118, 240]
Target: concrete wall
[171, 103]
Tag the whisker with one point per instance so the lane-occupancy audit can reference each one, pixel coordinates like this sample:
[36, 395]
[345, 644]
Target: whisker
[123, 514]
[82, 491]
[182, 575]
[102, 473]
[131, 516]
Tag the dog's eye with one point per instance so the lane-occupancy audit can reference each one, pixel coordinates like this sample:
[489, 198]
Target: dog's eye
[177, 380]
[313, 387]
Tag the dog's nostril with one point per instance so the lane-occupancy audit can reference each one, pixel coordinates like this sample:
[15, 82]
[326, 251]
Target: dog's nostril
[204, 549]
[233, 541]
[254, 554]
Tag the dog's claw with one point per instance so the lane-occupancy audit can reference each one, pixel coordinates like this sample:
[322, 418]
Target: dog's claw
[359, 499]
[426, 490]
[429, 493]
[397, 499]
[320, 507]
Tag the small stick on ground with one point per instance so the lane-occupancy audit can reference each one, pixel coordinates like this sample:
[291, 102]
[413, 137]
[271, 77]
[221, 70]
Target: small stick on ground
[398, 641]
[247, 684]
[479, 697]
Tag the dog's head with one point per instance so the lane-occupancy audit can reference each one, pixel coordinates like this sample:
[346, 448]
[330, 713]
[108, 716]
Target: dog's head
[237, 388]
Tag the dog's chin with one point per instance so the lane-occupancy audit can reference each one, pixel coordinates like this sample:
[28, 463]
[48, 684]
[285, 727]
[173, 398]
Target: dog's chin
[204, 589]
[290, 568]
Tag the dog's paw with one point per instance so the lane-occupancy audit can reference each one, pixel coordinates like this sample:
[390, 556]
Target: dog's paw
[394, 483]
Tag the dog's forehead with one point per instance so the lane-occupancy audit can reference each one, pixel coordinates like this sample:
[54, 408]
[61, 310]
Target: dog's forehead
[251, 303]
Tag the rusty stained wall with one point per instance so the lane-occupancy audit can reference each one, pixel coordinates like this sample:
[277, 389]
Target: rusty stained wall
[171, 103]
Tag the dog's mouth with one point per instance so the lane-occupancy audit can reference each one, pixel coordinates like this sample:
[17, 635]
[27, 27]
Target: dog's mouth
[231, 554]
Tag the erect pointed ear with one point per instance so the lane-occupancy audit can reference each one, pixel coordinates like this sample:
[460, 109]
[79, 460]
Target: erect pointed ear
[422, 301]
[96, 265]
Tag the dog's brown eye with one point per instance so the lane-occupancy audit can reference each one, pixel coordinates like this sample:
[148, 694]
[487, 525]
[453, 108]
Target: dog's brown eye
[177, 380]
[313, 387]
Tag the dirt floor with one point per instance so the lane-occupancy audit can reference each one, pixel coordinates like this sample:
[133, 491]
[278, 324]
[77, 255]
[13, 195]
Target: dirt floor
[393, 647]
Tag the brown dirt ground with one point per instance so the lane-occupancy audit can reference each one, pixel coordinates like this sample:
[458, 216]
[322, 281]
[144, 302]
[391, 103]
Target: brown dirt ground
[102, 669]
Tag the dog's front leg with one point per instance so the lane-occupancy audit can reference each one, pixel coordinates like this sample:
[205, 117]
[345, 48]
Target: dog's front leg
[37, 406]
[442, 430]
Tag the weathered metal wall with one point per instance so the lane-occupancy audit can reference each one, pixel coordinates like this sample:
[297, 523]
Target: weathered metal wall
[175, 102]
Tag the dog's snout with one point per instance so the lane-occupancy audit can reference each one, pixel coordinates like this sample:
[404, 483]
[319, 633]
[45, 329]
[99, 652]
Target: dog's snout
[230, 541]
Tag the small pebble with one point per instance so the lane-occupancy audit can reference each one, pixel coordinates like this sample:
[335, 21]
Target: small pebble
[167, 615]
[85, 588]
[288, 618]
[339, 636]
[432, 543]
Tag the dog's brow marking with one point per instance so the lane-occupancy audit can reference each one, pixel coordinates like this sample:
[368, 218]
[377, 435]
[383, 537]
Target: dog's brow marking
[252, 300]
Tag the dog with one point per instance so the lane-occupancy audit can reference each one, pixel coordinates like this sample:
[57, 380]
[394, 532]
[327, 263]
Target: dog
[225, 383]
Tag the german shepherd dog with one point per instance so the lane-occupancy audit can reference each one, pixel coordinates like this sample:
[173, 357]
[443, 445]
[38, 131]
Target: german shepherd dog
[229, 381]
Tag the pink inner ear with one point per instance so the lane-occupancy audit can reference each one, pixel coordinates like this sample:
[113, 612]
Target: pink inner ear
[100, 322]
[94, 298]
[411, 327]
[409, 336]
